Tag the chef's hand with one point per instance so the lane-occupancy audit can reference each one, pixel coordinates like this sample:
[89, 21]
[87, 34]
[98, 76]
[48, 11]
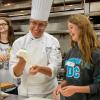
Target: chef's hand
[68, 90]
[56, 92]
[34, 70]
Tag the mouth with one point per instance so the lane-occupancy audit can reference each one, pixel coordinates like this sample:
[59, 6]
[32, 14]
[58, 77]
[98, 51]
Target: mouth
[1, 30]
[36, 31]
[72, 34]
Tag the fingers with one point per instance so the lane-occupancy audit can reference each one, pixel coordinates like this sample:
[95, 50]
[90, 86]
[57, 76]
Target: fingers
[55, 95]
[68, 91]
[3, 58]
[33, 70]
[64, 88]
[56, 92]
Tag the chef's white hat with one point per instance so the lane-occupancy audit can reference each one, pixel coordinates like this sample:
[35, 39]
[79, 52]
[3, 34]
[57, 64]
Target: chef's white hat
[40, 9]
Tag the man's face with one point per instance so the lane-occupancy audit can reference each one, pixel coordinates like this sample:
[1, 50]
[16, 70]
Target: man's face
[37, 27]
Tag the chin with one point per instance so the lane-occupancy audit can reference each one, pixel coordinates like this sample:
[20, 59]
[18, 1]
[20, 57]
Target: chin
[73, 39]
[37, 36]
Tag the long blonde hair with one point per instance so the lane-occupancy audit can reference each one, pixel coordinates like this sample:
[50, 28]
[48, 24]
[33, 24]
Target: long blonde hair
[88, 41]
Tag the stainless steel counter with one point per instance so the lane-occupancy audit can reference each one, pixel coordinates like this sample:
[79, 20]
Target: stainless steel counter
[14, 97]
[17, 97]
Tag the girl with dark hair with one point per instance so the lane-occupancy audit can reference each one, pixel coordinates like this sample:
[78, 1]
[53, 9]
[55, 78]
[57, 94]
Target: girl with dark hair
[6, 40]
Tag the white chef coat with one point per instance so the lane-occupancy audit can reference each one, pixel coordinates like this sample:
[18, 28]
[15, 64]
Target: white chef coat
[43, 51]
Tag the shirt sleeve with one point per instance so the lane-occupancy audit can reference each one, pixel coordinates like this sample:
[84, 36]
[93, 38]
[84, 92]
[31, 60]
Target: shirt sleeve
[95, 87]
[13, 59]
[54, 57]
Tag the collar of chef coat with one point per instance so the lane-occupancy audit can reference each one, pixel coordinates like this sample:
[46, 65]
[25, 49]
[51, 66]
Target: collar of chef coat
[32, 37]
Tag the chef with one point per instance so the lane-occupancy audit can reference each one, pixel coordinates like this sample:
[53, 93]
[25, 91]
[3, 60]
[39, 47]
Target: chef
[36, 57]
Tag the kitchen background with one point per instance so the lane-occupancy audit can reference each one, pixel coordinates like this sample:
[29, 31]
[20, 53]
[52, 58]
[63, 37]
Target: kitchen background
[19, 12]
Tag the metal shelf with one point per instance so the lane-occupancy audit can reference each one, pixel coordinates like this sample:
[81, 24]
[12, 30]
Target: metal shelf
[57, 14]
[20, 17]
[63, 32]
[94, 13]
[12, 7]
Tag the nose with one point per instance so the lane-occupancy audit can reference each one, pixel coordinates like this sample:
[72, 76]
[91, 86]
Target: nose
[69, 30]
[36, 27]
[1, 26]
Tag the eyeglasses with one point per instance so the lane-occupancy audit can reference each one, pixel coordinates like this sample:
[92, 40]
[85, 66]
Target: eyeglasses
[40, 25]
[3, 24]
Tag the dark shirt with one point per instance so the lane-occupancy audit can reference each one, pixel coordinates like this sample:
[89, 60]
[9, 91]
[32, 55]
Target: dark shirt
[80, 73]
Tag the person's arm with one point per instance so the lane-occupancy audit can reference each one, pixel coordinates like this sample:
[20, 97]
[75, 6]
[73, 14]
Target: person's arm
[82, 89]
[19, 67]
[41, 69]
[77, 89]
[55, 58]
[71, 90]
[16, 64]
[54, 61]
[95, 87]
[45, 70]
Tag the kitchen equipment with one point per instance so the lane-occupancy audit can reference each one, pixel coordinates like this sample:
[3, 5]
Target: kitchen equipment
[37, 98]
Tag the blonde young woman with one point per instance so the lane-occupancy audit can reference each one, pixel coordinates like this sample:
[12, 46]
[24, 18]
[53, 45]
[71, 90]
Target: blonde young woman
[82, 62]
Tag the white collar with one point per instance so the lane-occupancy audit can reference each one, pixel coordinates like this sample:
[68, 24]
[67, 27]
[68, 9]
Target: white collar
[32, 37]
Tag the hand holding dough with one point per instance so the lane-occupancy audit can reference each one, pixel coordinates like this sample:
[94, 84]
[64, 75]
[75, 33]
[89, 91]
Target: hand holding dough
[24, 54]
